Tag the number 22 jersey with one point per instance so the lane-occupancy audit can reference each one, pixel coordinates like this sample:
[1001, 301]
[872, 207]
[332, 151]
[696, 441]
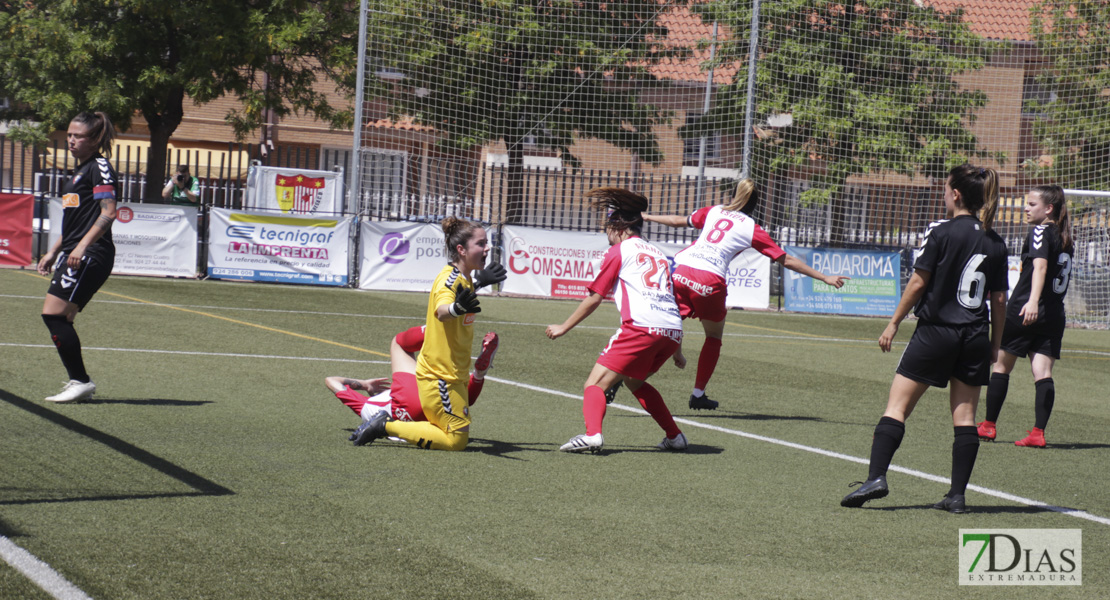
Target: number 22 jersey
[639, 276]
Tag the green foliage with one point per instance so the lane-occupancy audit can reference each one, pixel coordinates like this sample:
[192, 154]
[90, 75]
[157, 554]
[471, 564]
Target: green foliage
[144, 56]
[871, 88]
[480, 72]
[1073, 127]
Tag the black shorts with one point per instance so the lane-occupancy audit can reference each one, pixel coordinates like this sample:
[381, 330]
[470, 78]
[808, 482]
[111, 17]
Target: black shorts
[937, 353]
[1042, 337]
[78, 285]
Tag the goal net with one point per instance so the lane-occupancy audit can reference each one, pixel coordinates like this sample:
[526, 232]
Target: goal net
[848, 115]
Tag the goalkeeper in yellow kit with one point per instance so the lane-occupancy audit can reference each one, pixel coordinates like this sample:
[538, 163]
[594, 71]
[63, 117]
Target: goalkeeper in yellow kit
[443, 368]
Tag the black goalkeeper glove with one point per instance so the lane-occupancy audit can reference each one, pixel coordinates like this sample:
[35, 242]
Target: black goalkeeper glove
[495, 273]
[466, 301]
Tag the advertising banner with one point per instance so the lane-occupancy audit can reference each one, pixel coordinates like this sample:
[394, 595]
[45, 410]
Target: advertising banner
[748, 278]
[154, 239]
[558, 264]
[266, 247]
[16, 214]
[400, 256]
[294, 191]
[874, 288]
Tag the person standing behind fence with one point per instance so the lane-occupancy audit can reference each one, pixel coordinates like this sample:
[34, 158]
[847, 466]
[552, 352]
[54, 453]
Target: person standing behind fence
[960, 271]
[182, 188]
[1035, 318]
[83, 256]
[700, 285]
[442, 371]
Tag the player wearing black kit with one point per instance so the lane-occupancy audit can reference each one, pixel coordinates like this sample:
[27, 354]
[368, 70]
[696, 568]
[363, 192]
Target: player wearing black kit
[83, 255]
[1035, 316]
[962, 268]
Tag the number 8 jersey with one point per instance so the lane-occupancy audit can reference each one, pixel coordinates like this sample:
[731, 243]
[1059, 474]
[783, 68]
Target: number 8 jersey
[967, 263]
[724, 234]
[639, 276]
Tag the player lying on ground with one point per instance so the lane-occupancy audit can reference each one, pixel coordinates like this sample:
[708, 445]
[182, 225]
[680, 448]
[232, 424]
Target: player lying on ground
[396, 395]
[444, 363]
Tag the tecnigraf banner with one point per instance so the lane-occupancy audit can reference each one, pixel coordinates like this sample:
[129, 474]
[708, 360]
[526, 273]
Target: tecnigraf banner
[266, 247]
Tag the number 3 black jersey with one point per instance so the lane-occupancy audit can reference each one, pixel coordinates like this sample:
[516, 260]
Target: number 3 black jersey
[93, 180]
[1044, 242]
[967, 262]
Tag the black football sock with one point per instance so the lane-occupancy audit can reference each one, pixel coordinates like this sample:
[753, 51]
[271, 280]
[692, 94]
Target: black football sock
[888, 436]
[1046, 397]
[996, 395]
[68, 345]
[965, 447]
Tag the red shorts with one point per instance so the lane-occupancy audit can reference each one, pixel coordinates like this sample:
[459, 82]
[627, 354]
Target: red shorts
[404, 399]
[637, 353]
[700, 294]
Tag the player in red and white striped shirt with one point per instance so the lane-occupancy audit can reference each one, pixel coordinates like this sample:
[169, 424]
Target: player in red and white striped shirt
[638, 275]
[700, 275]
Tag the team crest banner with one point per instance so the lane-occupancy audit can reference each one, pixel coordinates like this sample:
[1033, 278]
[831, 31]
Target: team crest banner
[266, 247]
[294, 191]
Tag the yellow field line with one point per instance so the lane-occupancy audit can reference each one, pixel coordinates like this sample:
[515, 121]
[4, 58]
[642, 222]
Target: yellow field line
[238, 322]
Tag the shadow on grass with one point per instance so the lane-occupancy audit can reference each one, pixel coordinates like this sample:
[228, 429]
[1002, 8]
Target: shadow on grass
[972, 509]
[147, 401]
[202, 486]
[1077, 446]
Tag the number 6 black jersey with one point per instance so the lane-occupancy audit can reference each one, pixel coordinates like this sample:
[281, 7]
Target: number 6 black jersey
[93, 180]
[967, 262]
[1044, 242]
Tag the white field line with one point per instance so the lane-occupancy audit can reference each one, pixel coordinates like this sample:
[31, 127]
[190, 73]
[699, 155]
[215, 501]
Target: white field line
[863, 461]
[39, 572]
[226, 354]
[417, 319]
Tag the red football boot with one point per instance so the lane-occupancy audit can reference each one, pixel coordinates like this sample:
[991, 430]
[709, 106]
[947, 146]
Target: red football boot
[987, 431]
[1035, 439]
[489, 348]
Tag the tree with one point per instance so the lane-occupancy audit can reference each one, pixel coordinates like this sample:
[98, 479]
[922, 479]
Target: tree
[513, 70]
[124, 57]
[869, 85]
[1072, 125]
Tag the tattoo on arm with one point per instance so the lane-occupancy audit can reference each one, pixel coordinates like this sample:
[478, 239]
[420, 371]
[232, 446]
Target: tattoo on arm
[352, 383]
[104, 222]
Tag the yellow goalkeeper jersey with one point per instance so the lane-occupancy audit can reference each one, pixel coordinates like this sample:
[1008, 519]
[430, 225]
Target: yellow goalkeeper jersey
[446, 351]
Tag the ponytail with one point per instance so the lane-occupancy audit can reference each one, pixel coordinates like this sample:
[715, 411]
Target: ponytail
[746, 198]
[978, 189]
[100, 130]
[1054, 195]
